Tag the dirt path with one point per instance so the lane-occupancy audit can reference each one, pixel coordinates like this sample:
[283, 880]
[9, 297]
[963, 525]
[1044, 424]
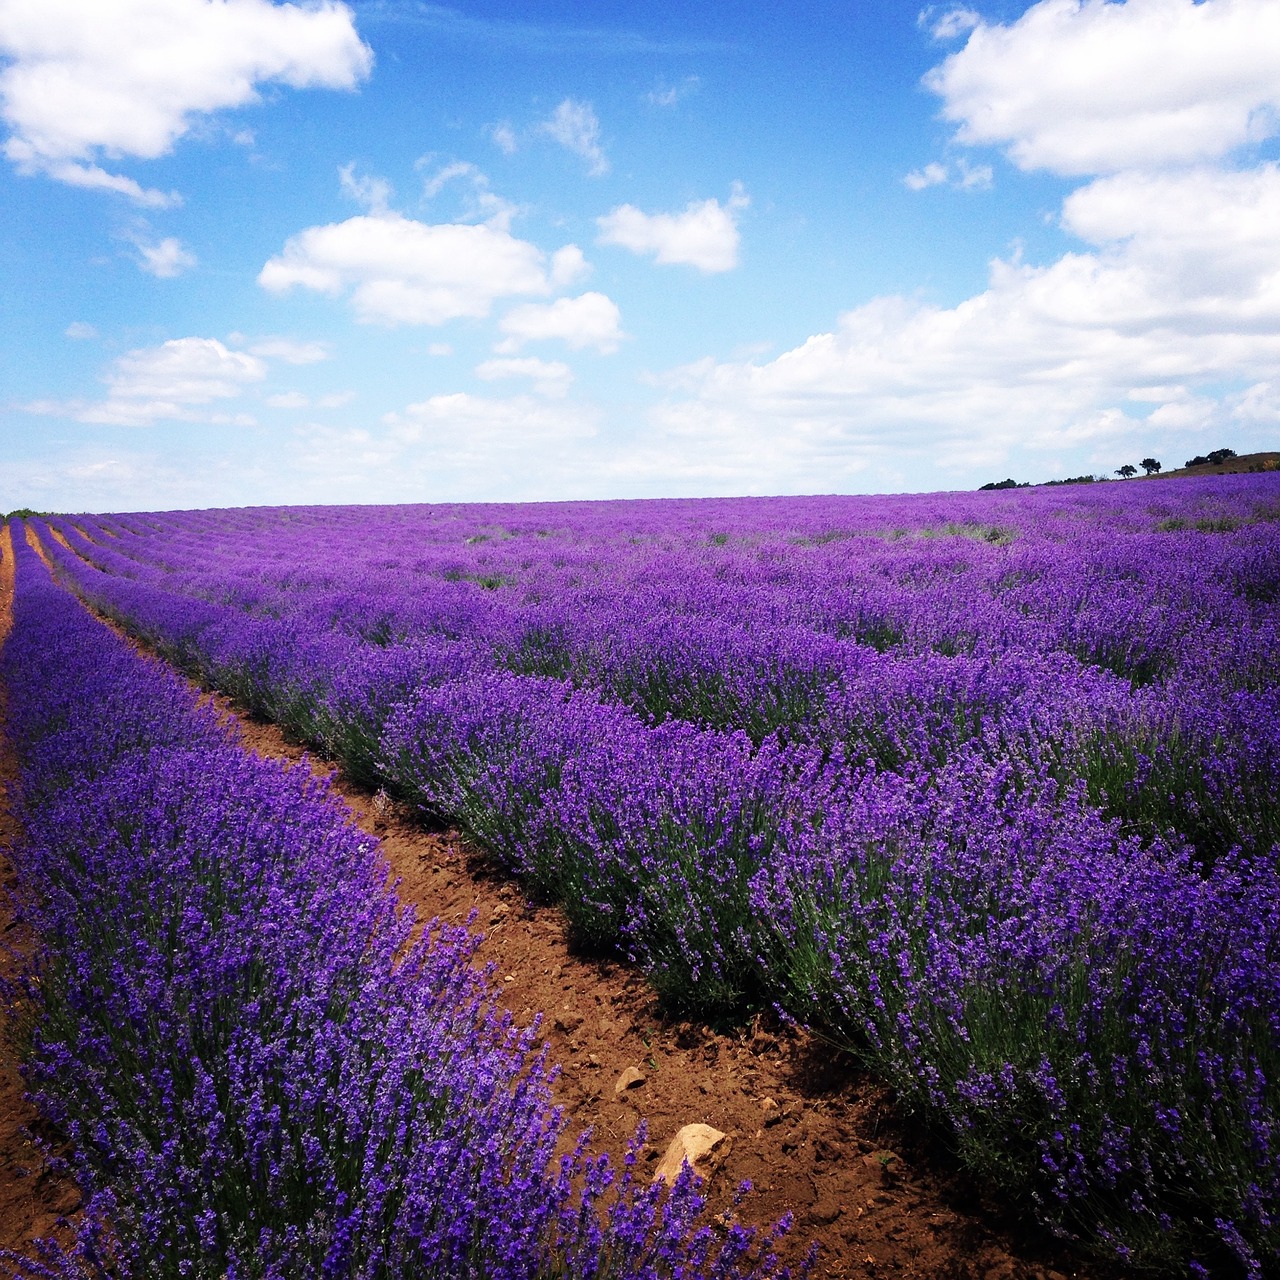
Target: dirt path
[817, 1138]
[32, 1199]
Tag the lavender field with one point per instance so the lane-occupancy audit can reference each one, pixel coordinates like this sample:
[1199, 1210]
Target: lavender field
[984, 789]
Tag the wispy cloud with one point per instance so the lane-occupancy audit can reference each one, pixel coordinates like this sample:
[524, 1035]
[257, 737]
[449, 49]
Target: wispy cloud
[959, 174]
[165, 258]
[371, 193]
[667, 95]
[528, 36]
[575, 127]
[504, 138]
[946, 24]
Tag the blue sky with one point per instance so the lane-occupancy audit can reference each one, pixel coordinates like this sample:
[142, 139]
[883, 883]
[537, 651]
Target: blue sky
[397, 251]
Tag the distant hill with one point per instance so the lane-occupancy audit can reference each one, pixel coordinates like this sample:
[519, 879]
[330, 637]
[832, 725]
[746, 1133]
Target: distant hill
[1232, 466]
[1249, 462]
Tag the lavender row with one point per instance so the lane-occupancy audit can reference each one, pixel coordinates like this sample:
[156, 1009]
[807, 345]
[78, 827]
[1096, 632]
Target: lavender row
[1085, 1013]
[1192, 760]
[1091, 1020]
[262, 1069]
[1057, 576]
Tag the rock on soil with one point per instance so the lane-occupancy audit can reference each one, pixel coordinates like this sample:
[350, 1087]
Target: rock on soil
[695, 1144]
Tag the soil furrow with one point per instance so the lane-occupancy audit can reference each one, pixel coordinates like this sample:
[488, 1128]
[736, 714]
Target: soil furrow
[33, 1198]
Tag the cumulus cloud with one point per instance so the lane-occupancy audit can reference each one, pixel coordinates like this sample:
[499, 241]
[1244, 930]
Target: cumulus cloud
[568, 266]
[400, 271]
[80, 330]
[589, 320]
[1163, 326]
[703, 235]
[575, 127]
[86, 80]
[1084, 87]
[1179, 296]
[550, 377]
[172, 382]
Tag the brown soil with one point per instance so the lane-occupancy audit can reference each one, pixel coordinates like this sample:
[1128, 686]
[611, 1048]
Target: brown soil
[818, 1138]
[33, 1198]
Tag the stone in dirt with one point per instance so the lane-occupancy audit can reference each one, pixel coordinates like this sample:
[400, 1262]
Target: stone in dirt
[695, 1144]
[631, 1078]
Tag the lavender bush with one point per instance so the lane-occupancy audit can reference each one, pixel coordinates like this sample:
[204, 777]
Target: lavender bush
[263, 1069]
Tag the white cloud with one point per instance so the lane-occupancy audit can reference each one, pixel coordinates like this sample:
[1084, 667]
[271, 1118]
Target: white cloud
[972, 177]
[575, 127]
[589, 320]
[504, 138]
[440, 349]
[949, 25]
[703, 235]
[169, 382]
[127, 78]
[932, 175]
[444, 175]
[568, 266]
[667, 95]
[482, 204]
[406, 272]
[90, 177]
[1260, 403]
[1092, 87]
[550, 377]
[371, 194]
[186, 370]
[166, 258]
[962, 175]
[1179, 298]
[290, 350]
[80, 330]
